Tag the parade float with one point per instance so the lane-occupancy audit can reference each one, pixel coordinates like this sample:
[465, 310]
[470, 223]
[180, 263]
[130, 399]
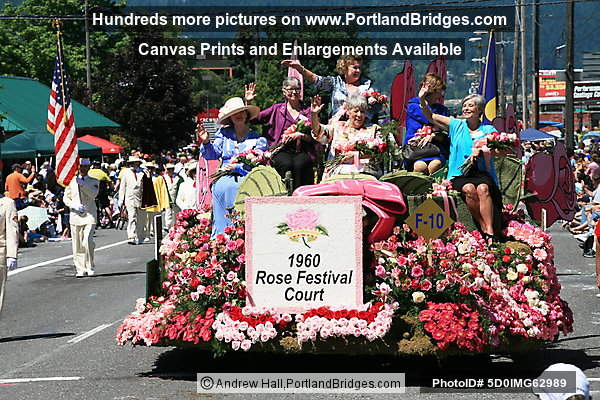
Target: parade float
[360, 265]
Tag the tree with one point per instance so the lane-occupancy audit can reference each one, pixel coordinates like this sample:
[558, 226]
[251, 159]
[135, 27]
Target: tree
[29, 45]
[149, 96]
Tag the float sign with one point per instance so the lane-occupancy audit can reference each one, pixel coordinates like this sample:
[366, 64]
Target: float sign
[429, 220]
[304, 252]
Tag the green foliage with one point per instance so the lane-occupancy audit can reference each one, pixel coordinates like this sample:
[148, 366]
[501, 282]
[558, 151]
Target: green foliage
[149, 96]
[29, 46]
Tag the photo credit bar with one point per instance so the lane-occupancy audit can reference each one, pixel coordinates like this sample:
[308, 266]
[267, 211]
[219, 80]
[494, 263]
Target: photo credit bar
[327, 383]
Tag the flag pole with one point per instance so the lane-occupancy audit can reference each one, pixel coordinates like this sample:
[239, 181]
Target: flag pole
[57, 23]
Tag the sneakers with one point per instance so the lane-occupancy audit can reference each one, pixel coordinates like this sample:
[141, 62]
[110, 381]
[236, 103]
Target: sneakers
[146, 240]
[90, 273]
[589, 254]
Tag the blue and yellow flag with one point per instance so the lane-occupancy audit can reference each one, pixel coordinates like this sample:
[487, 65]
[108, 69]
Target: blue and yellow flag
[488, 86]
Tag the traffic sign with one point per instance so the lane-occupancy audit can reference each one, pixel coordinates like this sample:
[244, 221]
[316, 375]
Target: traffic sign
[429, 220]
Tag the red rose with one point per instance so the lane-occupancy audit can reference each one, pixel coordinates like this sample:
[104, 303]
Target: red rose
[194, 283]
[464, 290]
[201, 256]
[429, 271]
[507, 250]
[506, 259]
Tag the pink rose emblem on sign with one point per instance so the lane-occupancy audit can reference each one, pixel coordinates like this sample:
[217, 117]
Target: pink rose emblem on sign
[302, 225]
[302, 219]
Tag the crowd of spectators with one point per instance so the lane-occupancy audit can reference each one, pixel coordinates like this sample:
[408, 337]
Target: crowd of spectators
[586, 167]
[30, 187]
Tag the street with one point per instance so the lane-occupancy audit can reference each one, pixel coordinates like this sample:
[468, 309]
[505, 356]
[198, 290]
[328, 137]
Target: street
[57, 335]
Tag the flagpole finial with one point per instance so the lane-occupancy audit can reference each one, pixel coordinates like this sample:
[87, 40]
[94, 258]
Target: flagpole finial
[57, 24]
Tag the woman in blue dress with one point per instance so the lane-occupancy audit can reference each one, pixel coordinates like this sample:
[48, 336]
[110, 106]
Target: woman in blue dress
[233, 138]
[479, 186]
[415, 120]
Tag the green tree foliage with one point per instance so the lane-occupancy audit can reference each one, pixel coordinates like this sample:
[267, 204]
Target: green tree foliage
[29, 45]
[149, 96]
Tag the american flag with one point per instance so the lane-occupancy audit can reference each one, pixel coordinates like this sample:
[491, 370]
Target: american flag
[61, 122]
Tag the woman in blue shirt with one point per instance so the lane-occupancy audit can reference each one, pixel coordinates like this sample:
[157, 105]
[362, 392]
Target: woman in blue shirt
[480, 185]
[233, 138]
[415, 120]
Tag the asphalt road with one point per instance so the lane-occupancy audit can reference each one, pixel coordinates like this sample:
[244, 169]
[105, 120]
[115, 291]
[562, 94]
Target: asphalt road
[57, 336]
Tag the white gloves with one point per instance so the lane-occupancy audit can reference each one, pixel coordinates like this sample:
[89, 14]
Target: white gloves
[78, 208]
[11, 263]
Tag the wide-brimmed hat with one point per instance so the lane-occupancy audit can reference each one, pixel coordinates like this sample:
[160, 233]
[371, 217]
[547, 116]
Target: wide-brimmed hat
[151, 164]
[133, 159]
[170, 166]
[234, 106]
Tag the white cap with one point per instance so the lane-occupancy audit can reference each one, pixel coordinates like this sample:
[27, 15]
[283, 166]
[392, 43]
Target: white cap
[582, 385]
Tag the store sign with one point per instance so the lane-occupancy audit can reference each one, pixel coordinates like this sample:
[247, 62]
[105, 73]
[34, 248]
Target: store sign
[304, 252]
[549, 86]
[589, 90]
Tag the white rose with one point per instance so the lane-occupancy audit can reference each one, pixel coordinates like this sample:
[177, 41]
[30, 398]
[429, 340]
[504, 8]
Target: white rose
[522, 268]
[512, 275]
[418, 297]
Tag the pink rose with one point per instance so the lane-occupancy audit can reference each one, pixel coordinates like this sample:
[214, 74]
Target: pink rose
[245, 345]
[416, 272]
[303, 219]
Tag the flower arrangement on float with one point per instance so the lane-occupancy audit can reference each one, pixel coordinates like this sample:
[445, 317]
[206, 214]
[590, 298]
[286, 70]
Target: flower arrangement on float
[457, 292]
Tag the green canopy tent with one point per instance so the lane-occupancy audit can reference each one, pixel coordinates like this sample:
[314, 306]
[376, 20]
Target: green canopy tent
[32, 145]
[24, 107]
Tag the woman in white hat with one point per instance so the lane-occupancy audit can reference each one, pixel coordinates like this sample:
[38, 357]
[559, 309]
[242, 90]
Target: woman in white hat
[233, 138]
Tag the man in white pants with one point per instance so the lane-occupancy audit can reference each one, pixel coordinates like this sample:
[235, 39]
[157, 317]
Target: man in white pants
[130, 194]
[9, 241]
[173, 181]
[80, 197]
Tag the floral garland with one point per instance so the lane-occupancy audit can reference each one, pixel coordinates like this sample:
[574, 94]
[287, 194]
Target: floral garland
[243, 327]
[373, 321]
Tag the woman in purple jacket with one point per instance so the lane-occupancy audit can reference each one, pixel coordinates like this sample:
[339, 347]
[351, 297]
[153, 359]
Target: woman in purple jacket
[299, 153]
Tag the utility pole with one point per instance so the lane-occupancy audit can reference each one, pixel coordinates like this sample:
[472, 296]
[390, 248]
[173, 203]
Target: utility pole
[523, 66]
[515, 65]
[535, 104]
[88, 71]
[569, 75]
[501, 93]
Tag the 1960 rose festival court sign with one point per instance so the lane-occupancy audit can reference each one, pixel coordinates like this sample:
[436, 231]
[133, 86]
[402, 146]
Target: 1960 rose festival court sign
[304, 252]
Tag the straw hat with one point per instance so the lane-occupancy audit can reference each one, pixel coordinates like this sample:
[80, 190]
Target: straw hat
[170, 166]
[133, 159]
[151, 164]
[235, 105]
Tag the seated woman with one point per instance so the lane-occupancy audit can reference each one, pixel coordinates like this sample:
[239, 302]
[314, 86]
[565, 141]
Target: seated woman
[341, 133]
[299, 153]
[233, 138]
[415, 120]
[480, 185]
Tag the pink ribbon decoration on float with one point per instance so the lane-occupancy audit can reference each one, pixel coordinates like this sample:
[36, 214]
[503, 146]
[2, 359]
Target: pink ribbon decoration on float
[380, 197]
